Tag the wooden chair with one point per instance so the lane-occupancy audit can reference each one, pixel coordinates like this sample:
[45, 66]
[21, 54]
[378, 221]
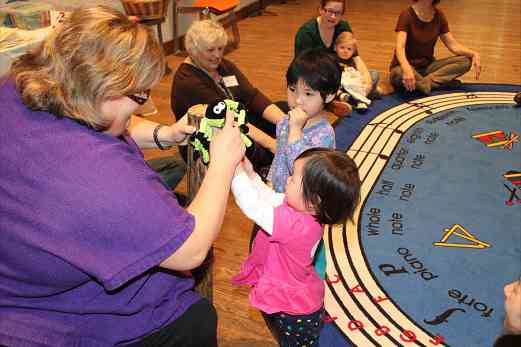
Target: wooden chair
[216, 7]
[149, 12]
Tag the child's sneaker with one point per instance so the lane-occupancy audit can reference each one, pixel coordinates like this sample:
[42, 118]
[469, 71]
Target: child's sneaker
[340, 108]
[361, 107]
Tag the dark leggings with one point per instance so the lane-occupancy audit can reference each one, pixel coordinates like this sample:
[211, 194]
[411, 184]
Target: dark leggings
[197, 327]
[295, 330]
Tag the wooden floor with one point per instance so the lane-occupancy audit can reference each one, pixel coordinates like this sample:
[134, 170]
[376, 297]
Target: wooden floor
[492, 27]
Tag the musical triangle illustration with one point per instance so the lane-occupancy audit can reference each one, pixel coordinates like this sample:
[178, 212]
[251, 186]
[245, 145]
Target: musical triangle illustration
[497, 138]
[514, 177]
[459, 231]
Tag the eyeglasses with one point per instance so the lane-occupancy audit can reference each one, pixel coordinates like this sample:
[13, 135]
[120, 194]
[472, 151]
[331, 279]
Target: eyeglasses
[332, 13]
[140, 98]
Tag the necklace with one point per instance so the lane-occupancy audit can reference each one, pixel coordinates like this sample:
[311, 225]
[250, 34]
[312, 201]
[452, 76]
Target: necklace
[217, 80]
[424, 14]
[326, 34]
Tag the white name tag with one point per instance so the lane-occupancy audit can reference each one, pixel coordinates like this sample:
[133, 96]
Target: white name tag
[230, 81]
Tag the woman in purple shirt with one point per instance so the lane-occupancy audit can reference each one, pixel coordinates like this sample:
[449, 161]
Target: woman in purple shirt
[94, 248]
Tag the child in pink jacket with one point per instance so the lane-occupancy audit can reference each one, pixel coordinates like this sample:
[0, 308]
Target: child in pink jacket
[324, 189]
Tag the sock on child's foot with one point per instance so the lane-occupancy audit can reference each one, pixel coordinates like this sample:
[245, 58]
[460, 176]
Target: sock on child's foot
[361, 107]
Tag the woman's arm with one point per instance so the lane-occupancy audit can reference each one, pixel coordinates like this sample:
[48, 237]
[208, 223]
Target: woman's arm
[209, 205]
[408, 78]
[273, 114]
[258, 104]
[262, 138]
[458, 49]
[360, 66]
[142, 132]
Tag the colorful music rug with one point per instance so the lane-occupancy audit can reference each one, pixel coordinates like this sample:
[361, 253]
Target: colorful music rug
[438, 232]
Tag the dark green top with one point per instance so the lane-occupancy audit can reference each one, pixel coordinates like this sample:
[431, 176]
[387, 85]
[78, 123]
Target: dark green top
[308, 36]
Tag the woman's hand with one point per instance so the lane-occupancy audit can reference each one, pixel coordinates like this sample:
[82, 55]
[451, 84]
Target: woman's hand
[227, 147]
[180, 131]
[408, 79]
[248, 168]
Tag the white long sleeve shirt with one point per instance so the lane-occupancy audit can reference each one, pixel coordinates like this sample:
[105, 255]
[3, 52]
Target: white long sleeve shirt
[256, 200]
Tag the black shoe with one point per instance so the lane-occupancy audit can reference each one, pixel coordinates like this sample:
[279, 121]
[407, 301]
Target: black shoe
[182, 199]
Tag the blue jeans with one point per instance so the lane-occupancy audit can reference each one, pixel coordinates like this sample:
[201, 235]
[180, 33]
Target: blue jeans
[170, 168]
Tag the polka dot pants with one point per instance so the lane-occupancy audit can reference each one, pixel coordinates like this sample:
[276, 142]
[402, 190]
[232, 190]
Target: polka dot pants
[295, 331]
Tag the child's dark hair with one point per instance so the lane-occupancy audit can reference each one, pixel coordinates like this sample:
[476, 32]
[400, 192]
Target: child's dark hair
[330, 183]
[318, 68]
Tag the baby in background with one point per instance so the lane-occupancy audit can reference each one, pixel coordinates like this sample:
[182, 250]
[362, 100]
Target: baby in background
[355, 82]
[323, 189]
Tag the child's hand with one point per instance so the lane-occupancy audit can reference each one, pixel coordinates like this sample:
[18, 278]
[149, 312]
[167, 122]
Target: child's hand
[297, 118]
[239, 169]
[248, 168]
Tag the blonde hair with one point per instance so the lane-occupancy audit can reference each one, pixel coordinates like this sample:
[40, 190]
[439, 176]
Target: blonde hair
[202, 34]
[346, 37]
[97, 54]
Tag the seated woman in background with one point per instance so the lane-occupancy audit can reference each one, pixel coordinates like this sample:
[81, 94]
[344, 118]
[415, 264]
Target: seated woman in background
[322, 32]
[93, 244]
[205, 77]
[413, 66]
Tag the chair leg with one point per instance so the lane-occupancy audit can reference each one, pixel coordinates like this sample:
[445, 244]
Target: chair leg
[175, 18]
[160, 37]
[235, 30]
[160, 34]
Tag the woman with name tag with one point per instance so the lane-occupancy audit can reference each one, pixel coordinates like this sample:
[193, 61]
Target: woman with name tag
[206, 77]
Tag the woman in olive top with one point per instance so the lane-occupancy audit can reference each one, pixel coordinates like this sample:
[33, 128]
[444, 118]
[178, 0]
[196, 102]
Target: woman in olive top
[322, 31]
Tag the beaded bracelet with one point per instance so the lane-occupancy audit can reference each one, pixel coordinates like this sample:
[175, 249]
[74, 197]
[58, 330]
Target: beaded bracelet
[156, 140]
